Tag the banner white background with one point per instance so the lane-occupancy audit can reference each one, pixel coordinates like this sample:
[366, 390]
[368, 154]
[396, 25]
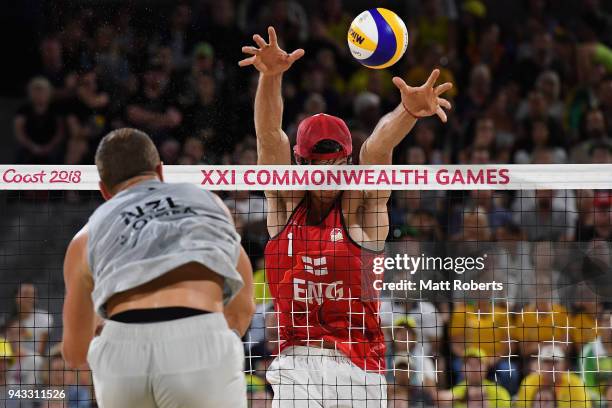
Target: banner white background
[489, 177]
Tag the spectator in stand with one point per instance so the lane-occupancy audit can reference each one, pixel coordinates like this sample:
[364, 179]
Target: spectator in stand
[204, 114]
[435, 27]
[595, 133]
[543, 222]
[604, 97]
[63, 378]
[398, 390]
[203, 62]
[407, 348]
[194, 149]
[178, 34]
[540, 56]
[595, 361]
[513, 266]
[485, 325]
[6, 357]
[34, 322]
[52, 66]
[112, 66]
[537, 110]
[475, 390]
[541, 322]
[335, 19]
[549, 85]
[493, 204]
[500, 112]
[601, 229]
[38, 126]
[544, 398]
[425, 138]
[586, 319]
[474, 225]
[539, 138]
[433, 58]
[219, 27]
[367, 111]
[257, 394]
[88, 117]
[474, 101]
[551, 371]
[26, 364]
[601, 153]
[484, 136]
[151, 110]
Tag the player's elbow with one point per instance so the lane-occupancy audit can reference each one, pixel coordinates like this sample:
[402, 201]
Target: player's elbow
[240, 313]
[250, 309]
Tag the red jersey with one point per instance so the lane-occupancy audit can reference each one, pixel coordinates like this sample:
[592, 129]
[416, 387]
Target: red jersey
[321, 282]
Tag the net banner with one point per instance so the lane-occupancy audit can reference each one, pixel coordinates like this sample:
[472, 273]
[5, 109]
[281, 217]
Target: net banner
[252, 178]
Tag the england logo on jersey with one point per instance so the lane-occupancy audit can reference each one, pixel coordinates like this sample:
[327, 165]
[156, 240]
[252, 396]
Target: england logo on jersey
[336, 235]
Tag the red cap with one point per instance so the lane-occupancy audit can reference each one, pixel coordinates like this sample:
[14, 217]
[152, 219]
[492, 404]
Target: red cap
[322, 127]
[602, 200]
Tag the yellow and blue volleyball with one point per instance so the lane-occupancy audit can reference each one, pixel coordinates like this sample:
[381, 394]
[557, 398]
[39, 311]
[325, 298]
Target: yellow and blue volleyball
[378, 38]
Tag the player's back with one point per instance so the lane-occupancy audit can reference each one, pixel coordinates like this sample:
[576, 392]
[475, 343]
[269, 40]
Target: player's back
[153, 228]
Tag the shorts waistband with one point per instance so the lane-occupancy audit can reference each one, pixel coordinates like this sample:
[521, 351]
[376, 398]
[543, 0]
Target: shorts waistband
[145, 332]
[309, 351]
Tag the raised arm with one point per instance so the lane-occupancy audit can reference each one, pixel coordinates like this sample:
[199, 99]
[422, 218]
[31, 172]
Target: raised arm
[417, 102]
[271, 62]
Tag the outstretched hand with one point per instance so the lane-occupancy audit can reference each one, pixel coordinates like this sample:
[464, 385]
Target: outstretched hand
[425, 100]
[269, 58]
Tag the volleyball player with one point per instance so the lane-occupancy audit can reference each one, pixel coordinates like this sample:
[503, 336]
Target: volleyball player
[331, 351]
[164, 265]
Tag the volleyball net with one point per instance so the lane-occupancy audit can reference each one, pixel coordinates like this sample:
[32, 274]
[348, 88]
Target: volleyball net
[492, 278]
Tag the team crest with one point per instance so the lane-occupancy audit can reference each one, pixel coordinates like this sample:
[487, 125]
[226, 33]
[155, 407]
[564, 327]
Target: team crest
[336, 235]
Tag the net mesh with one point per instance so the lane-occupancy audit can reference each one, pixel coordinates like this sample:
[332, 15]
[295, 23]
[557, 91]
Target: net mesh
[450, 334]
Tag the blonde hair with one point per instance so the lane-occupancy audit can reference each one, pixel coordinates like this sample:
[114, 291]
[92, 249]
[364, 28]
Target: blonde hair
[40, 82]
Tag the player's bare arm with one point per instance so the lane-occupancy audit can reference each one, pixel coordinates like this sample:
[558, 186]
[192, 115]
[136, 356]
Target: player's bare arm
[272, 143]
[366, 212]
[79, 315]
[240, 310]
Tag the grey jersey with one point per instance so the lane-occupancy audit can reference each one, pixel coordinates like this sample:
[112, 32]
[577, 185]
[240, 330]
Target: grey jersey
[153, 227]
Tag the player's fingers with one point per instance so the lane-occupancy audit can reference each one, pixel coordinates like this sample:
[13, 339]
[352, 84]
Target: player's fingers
[261, 67]
[399, 82]
[259, 40]
[250, 50]
[441, 114]
[444, 103]
[443, 88]
[272, 36]
[296, 55]
[247, 61]
[433, 77]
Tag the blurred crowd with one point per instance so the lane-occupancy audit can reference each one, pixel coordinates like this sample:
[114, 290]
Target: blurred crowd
[531, 87]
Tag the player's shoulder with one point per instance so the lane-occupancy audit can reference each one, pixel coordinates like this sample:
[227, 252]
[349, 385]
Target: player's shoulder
[80, 238]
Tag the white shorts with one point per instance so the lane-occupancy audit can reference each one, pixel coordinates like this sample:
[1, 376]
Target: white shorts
[308, 377]
[185, 363]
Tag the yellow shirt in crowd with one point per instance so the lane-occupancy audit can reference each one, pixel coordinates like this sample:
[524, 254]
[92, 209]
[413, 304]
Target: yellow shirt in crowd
[487, 330]
[569, 390]
[538, 326]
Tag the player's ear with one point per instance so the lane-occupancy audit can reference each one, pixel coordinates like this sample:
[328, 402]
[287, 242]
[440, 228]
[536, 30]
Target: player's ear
[159, 170]
[106, 194]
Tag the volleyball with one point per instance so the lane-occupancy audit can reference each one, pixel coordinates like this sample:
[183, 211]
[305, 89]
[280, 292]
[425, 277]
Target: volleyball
[377, 38]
